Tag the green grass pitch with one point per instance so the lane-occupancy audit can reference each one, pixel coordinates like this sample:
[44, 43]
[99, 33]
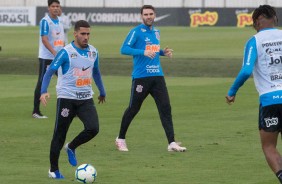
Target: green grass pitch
[223, 142]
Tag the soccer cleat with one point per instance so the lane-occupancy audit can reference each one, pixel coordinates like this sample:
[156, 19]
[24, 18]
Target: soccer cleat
[71, 155]
[38, 115]
[55, 175]
[173, 146]
[121, 144]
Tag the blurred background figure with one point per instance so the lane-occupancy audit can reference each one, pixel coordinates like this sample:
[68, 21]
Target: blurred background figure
[66, 24]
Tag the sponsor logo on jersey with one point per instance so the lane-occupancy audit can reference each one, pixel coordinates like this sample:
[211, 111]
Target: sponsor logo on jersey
[147, 39]
[58, 43]
[81, 82]
[153, 68]
[157, 35]
[83, 95]
[83, 69]
[271, 121]
[73, 55]
[154, 48]
[275, 60]
[271, 51]
[276, 77]
[200, 19]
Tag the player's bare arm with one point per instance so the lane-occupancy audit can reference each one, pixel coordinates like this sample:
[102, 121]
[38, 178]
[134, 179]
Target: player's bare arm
[44, 97]
[46, 43]
[230, 99]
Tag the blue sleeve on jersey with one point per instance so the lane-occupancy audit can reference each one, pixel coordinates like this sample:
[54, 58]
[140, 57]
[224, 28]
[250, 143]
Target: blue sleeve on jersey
[250, 58]
[61, 59]
[97, 77]
[128, 45]
[44, 28]
[162, 52]
[46, 80]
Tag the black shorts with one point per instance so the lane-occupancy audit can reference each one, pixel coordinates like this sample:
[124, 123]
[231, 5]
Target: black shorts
[270, 118]
[85, 110]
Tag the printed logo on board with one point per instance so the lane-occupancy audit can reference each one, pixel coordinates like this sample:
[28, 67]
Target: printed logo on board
[201, 19]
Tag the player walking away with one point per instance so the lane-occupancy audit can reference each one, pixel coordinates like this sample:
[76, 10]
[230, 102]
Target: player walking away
[50, 42]
[76, 64]
[143, 43]
[263, 53]
[66, 24]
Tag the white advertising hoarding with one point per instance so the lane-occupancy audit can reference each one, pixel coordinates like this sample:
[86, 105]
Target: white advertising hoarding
[17, 16]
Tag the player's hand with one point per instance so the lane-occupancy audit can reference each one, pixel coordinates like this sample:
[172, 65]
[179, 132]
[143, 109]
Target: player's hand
[101, 99]
[44, 97]
[149, 54]
[168, 52]
[230, 99]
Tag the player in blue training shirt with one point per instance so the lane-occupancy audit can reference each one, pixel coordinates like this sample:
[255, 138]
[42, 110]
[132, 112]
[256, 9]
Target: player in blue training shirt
[143, 43]
[51, 41]
[76, 64]
[263, 58]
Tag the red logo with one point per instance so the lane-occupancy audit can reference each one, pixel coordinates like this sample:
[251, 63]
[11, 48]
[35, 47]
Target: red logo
[244, 19]
[207, 18]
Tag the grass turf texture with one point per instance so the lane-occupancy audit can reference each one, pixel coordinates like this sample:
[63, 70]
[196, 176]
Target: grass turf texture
[222, 141]
[209, 52]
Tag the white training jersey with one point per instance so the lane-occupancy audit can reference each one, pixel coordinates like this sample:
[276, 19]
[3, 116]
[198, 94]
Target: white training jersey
[76, 82]
[55, 34]
[268, 71]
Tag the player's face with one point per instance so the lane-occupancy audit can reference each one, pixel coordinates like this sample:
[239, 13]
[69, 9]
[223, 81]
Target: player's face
[148, 17]
[82, 37]
[54, 9]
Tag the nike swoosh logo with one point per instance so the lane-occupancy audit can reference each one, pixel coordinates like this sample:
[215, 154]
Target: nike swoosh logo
[161, 17]
[83, 69]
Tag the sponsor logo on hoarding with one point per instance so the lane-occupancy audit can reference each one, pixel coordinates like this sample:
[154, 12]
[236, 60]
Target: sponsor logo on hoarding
[18, 16]
[201, 19]
[110, 17]
[244, 18]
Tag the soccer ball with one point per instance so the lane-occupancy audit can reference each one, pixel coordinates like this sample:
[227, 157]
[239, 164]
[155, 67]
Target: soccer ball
[85, 173]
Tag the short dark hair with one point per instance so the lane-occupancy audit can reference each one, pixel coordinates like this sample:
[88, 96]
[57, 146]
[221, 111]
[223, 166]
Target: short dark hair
[146, 7]
[266, 11]
[53, 1]
[81, 23]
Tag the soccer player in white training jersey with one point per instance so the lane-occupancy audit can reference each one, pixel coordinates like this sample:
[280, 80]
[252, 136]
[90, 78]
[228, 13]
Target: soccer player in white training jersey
[77, 63]
[51, 41]
[263, 58]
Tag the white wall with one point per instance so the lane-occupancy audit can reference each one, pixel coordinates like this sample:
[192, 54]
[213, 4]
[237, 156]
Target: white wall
[139, 3]
[124, 3]
[245, 3]
[165, 3]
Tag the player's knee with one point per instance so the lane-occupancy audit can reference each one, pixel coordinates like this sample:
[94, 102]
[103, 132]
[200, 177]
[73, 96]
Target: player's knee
[134, 110]
[93, 132]
[165, 108]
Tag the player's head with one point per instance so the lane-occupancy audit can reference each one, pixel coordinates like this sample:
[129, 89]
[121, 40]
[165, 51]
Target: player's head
[264, 16]
[148, 14]
[54, 8]
[81, 33]
[53, 1]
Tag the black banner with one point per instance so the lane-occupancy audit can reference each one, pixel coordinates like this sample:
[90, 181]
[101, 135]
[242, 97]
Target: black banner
[190, 17]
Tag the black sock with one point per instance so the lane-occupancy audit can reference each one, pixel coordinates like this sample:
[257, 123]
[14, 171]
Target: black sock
[279, 175]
